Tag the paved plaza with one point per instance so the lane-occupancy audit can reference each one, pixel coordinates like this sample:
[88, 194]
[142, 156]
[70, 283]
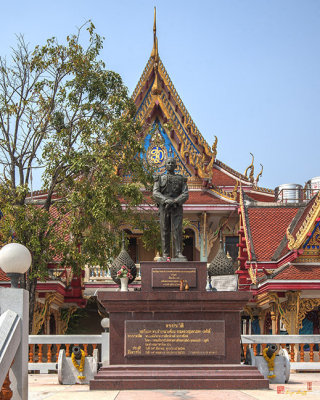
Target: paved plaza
[47, 387]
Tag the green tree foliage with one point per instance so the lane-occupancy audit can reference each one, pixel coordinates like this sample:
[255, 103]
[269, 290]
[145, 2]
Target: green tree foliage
[60, 109]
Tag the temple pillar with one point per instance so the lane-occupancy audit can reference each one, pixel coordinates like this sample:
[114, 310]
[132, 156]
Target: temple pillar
[203, 250]
[261, 318]
[291, 313]
[203, 238]
[274, 318]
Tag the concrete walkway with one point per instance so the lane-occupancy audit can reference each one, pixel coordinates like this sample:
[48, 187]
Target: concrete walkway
[47, 387]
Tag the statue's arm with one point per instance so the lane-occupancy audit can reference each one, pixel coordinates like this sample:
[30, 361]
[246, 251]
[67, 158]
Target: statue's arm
[183, 197]
[157, 195]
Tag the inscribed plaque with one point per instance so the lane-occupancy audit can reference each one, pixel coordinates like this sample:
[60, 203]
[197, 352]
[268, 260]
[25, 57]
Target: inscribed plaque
[170, 338]
[171, 277]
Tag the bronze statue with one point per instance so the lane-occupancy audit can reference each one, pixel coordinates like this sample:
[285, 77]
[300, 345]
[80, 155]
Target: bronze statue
[170, 191]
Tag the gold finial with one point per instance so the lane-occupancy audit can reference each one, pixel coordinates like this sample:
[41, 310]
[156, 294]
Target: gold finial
[259, 175]
[235, 191]
[156, 87]
[291, 239]
[251, 168]
[154, 53]
[214, 147]
[209, 167]
[155, 23]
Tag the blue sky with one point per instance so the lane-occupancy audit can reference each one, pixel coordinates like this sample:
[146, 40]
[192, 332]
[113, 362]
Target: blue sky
[248, 71]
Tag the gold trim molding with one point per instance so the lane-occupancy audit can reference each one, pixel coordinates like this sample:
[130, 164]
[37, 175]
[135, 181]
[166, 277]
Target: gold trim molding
[307, 225]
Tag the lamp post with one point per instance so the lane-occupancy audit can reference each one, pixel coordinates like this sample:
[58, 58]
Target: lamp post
[105, 323]
[105, 345]
[15, 260]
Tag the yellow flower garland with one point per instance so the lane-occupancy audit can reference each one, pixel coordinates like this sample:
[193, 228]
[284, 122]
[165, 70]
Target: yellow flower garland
[270, 362]
[79, 367]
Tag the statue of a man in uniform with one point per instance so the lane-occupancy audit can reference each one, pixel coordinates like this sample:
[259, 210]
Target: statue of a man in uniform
[170, 191]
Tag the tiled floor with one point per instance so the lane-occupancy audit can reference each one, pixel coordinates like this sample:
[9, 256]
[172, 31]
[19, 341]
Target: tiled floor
[47, 387]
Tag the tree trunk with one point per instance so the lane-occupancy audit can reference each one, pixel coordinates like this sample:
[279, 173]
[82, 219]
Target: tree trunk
[31, 287]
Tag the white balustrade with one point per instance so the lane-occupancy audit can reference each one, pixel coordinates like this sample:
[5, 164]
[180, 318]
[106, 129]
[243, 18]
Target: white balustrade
[44, 349]
[301, 358]
[99, 274]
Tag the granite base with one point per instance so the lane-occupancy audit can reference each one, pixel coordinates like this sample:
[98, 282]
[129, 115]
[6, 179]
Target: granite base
[119, 377]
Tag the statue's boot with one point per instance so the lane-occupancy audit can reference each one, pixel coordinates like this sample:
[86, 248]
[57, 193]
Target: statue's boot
[180, 257]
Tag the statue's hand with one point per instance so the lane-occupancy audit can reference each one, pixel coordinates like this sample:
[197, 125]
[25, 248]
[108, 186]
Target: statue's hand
[168, 203]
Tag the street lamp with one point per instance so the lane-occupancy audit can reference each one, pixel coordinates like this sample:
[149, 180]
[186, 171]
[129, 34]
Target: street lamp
[105, 323]
[15, 260]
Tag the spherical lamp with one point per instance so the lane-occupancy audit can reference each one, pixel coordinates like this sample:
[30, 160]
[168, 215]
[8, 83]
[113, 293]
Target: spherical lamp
[15, 260]
[105, 323]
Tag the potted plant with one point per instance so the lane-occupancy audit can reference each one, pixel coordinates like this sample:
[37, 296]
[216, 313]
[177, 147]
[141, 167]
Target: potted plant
[124, 274]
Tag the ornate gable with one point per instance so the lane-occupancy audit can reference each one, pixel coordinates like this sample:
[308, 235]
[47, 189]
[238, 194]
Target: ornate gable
[311, 246]
[305, 235]
[158, 147]
[160, 110]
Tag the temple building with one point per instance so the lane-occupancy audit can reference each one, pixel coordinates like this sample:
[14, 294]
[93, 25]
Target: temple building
[279, 262]
[213, 186]
[272, 241]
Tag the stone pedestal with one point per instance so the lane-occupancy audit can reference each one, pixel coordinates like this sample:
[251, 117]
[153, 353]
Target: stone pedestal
[69, 375]
[166, 276]
[165, 338]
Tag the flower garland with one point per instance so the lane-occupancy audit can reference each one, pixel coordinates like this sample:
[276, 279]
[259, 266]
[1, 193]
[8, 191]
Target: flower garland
[124, 272]
[270, 362]
[79, 367]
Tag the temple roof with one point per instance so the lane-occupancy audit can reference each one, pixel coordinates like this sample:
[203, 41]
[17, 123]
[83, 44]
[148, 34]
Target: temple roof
[268, 227]
[278, 234]
[298, 272]
[169, 130]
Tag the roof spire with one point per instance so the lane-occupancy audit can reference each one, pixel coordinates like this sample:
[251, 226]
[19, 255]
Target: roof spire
[154, 53]
[155, 24]
[156, 87]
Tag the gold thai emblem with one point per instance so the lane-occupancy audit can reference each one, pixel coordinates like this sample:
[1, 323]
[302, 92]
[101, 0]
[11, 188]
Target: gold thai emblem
[157, 155]
[157, 152]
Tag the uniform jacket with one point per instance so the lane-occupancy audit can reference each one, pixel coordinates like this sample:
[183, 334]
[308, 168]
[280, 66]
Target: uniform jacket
[170, 186]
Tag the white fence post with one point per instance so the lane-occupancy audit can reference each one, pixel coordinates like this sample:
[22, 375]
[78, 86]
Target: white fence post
[105, 348]
[17, 300]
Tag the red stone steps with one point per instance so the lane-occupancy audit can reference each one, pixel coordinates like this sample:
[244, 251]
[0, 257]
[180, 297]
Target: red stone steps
[178, 377]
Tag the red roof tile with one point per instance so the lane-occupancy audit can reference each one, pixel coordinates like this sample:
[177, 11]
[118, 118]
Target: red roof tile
[299, 272]
[268, 226]
[261, 197]
[3, 276]
[219, 178]
[195, 197]
[201, 197]
[231, 170]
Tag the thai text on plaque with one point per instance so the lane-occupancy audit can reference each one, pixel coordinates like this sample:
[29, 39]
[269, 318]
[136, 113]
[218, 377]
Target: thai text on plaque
[170, 338]
[171, 277]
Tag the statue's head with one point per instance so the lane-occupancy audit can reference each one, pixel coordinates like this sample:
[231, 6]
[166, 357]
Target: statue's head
[171, 164]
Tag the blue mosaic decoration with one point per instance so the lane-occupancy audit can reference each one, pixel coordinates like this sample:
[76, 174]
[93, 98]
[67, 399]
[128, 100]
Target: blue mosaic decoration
[313, 242]
[158, 148]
